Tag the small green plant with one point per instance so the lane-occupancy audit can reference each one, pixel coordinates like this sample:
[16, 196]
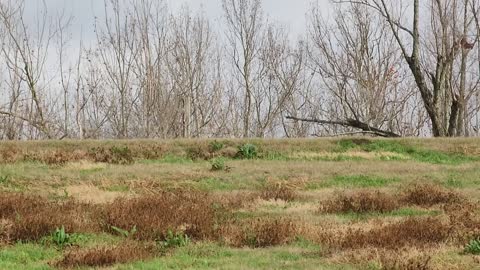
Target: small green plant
[247, 151]
[172, 240]
[4, 179]
[123, 232]
[218, 164]
[216, 146]
[473, 247]
[121, 155]
[61, 238]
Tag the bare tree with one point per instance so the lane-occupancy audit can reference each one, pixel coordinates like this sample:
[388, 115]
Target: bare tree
[245, 23]
[25, 51]
[432, 81]
[361, 70]
[117, 41]
[191, 62]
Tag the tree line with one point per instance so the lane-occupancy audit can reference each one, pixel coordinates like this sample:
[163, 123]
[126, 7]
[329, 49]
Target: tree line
[379, 67]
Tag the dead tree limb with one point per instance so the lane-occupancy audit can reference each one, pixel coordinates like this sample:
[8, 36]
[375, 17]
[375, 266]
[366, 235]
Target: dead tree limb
[349, 123]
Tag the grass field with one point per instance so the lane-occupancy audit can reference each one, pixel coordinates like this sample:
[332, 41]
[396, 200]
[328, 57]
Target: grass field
[350, 203]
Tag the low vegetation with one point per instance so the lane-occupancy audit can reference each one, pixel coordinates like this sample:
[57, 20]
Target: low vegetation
[147, 211]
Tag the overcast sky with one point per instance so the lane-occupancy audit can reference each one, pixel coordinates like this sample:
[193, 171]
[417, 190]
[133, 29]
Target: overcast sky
[290, 13]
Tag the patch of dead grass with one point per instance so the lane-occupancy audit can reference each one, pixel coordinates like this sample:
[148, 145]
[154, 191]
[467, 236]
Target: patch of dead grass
[92, 194]
[189, 212]
[411, 232]
[279, 191]
[429, 194]
[259, 233]
[362, 201]
[29, 218]
[106, 256]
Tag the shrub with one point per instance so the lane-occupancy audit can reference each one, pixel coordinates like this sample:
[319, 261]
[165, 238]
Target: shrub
[473, 247]
[247, 151]
[279, 191]
[360, 202]
[429, 195]
[218, 164]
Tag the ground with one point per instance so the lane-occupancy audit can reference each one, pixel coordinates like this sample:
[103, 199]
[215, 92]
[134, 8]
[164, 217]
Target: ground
[342, 203]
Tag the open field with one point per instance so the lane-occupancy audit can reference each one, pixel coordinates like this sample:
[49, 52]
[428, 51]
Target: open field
[350, 203]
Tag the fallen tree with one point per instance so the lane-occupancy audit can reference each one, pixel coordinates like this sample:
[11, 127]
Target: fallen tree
[349, 123]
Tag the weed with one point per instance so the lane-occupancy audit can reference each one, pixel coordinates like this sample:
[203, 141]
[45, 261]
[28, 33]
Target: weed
[247, 151]
[61, 238]
[4, 179]
[218, 164]
[125, 233]
[216, 146]
[172, 240]
[473, 247]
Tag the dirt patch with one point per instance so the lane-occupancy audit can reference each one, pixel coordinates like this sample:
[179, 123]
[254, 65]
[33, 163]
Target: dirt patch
[92, 194]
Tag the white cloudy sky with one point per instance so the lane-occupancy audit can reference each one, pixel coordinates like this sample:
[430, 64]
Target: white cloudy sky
[290, 13]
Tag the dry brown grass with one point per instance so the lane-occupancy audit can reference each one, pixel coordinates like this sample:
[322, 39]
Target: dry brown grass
[429, 195]
[189, 212]
[406, 261]
[360, 202]
[29, 218]
[259, 233]
[279, 191]
[235, 200]
[106, 256]
[465, 219]
[411, 232]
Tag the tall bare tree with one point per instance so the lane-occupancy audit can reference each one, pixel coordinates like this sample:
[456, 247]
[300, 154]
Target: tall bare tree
[245, 23]
[442, 44]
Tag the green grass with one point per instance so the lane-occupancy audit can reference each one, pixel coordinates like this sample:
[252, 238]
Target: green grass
[414, 153]
[217, 184]
[170, 159]
[402, 212]
[212, 256]
[354, 181]
[28, 257]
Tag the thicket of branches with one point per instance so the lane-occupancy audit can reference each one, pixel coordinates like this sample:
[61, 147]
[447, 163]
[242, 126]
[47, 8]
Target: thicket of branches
[382, 67]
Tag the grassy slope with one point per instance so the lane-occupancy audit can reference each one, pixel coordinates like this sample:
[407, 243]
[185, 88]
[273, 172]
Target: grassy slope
[315, 168]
